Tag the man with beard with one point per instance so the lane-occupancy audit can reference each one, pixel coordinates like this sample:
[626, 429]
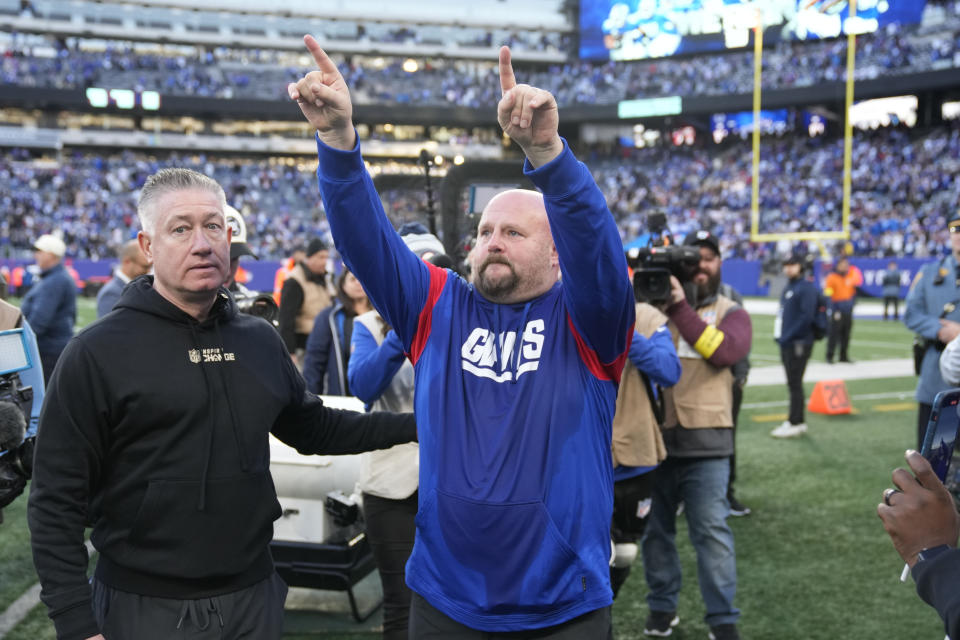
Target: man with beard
[515, 376]
[711, 333]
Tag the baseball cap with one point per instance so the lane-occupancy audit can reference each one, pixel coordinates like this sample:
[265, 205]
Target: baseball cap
[953, 222]
[50, 244]
[795, 258]
[238, 234]
[703, 238]
[419, 240]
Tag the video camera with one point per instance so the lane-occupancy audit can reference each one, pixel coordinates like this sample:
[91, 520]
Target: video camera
[261, 305]
[16, 404]
[654, 264]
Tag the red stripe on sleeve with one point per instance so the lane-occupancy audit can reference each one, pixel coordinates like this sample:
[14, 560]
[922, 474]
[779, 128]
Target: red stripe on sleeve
[438, 278]
[602, 371]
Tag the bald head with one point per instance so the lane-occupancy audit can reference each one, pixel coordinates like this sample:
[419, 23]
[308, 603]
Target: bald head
[514, 259]
[133, 263]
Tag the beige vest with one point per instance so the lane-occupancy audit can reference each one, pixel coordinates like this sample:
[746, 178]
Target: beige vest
[704, 396]
[636, 435]
[9, 316]
[316, 298]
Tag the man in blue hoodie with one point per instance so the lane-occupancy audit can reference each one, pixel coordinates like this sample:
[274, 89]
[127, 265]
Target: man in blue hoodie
[793, 331]
[515, 375]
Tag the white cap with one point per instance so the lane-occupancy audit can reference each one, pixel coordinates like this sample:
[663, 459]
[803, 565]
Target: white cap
[50, 244]
[238, 233]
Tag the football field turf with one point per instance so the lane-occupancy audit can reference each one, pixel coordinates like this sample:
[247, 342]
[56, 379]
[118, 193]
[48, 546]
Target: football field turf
[813, 560]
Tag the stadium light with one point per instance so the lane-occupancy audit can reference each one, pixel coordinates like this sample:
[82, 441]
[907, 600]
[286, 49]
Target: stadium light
[97, 97]
[649, 107]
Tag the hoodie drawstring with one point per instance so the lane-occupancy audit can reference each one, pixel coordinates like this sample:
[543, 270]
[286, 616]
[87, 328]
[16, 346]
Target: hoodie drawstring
[241, 452]
[208, 449]
[199, 611]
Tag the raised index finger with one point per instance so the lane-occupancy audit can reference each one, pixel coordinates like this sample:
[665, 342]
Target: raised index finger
[324, 63]
[507, 79]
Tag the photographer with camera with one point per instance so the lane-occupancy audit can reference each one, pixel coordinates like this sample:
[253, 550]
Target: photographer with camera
[155, 432]
[711, 334]
[21, 395]
[637, 443]
[933, 313]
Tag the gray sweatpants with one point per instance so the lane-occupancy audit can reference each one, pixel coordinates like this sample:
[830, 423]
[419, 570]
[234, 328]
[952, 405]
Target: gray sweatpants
[254, 613]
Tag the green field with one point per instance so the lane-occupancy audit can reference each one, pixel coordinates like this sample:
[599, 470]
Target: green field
[813, 559]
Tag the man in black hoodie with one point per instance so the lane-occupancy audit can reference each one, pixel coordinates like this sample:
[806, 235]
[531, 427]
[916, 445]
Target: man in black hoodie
[155, 433]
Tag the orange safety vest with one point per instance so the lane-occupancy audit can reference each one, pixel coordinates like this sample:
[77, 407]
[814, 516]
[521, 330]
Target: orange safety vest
[281, 276]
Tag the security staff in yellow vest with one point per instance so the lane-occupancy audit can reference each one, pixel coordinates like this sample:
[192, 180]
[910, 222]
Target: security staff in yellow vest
[637, 444]
[306, 292]
[711, 333]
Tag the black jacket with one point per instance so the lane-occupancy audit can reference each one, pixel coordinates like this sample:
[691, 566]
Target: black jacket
[155, 433]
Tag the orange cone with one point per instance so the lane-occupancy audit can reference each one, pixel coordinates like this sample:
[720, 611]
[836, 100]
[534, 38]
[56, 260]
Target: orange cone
[829, 397]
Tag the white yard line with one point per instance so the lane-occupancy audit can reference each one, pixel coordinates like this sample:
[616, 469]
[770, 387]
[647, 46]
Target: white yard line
[23, 605]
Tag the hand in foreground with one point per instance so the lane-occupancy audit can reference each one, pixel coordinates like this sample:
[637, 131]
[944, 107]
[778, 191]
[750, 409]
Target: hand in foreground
[949, 330]
[919, 513]
[528, 115]
[677, 294]
[324, 99]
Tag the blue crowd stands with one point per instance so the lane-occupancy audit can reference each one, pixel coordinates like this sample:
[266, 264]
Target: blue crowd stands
[262, 73]
[905, 184]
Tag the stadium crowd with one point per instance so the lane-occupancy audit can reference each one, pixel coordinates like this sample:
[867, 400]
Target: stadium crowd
[904, 187]
[904, 184]
[30, 60]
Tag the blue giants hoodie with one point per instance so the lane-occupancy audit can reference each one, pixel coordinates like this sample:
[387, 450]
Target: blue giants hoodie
[514, 404]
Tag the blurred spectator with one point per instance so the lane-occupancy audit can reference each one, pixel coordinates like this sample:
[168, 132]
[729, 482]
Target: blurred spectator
[306, 292]
[328, 346]
[51, 304]
[793, 331]
[891, 290]
[132, 265]
[841, 289]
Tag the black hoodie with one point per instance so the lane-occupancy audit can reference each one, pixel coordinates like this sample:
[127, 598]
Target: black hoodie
[154, 431]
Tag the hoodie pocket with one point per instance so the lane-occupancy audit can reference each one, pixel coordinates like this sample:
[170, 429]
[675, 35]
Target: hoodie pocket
[516, 559]
[170, 535]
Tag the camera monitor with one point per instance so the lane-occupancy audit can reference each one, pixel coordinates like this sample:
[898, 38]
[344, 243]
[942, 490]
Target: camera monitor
[14, 356]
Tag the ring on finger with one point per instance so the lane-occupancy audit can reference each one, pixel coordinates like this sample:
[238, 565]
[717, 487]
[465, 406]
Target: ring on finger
[887, 494]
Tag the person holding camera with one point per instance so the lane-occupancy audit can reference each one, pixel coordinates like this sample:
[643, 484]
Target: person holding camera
[921, 517]
[18, 426]
[932, 311]
[155, 431]
[516, 375]
[711, 334]
[637, 443]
